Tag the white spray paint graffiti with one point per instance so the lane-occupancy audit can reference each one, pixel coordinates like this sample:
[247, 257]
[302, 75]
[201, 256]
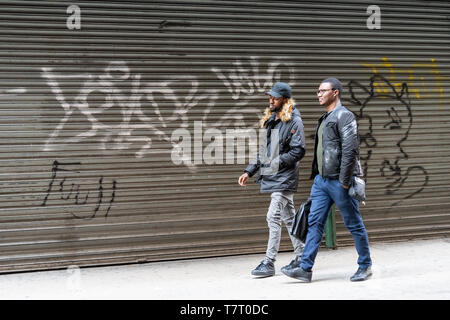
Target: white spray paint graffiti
[120, 135]
[246, 80]
[14, 91]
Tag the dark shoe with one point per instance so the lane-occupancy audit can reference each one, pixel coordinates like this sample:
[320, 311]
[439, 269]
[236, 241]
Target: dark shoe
[265, 269]
[294, 264]
[362, 274]
[299, 274]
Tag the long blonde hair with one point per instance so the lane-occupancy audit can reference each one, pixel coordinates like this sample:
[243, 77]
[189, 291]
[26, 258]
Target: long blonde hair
[285, 114]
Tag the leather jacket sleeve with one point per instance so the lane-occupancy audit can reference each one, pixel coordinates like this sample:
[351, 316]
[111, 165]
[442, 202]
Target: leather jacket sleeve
[348, 132]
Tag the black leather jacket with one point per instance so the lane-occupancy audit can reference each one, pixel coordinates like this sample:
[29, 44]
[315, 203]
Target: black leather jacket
[291, 150]
[340, 142]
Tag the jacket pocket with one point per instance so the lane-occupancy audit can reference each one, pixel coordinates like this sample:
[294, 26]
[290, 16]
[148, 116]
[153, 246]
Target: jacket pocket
[332, 160]
[331, 131]
[285, 144]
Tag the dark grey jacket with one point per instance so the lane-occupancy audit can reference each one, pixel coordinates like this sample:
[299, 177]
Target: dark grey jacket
[340, 142]
[279, 171]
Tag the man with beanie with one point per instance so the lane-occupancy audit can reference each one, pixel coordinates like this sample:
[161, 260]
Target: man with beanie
[277, 163]
[336, 162]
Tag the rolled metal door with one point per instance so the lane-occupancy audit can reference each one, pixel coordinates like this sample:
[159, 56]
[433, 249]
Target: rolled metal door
[114, 119]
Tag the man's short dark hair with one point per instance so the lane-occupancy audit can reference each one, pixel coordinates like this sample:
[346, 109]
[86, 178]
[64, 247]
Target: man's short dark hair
[335, 84]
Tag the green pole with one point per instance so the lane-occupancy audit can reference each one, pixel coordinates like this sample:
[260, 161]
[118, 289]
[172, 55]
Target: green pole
[330, 230]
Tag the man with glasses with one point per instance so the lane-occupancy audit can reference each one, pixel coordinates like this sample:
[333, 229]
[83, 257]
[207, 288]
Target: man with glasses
[278, 163]
[336, 162]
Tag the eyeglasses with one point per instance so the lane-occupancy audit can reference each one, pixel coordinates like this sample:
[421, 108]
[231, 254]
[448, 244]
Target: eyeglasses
[322, 91]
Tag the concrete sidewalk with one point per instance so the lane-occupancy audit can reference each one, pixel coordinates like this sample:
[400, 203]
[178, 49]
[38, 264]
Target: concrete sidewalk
[402, 270]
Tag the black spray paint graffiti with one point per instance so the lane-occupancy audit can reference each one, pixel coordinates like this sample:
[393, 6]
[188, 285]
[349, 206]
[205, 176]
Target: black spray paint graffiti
[69, 190]
[376, 128]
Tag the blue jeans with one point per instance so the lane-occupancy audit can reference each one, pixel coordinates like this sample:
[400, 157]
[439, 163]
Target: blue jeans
[324, 192]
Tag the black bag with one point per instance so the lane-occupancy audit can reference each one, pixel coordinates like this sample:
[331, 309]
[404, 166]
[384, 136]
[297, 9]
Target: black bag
[300, 225]
[357, 189]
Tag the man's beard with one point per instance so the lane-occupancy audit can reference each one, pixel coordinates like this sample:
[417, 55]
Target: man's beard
[277, 109]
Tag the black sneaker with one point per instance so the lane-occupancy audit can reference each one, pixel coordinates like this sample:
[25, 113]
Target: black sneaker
[299, 274]
[294, 264]
[265, 269]
[362, 274]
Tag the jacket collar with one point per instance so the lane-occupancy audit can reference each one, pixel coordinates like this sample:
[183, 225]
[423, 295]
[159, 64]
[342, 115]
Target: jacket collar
[326, 114]
[272, 119]
[339, 105]
[274, 115]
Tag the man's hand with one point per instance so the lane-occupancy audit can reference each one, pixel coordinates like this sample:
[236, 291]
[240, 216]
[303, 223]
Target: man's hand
[345, 187]
[243, 179]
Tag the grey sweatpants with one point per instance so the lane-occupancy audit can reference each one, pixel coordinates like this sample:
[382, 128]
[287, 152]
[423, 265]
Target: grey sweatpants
[281, 209]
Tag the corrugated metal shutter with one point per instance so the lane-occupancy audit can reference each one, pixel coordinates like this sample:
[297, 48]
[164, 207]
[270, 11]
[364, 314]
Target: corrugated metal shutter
[87, 116]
